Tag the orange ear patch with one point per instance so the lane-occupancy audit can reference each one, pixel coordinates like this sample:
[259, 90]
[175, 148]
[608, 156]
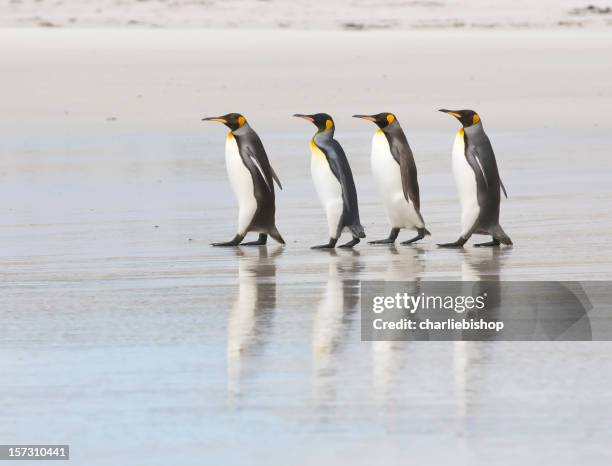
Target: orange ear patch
[329, 124]
[241, 120]
[475, 119]
[390, 118]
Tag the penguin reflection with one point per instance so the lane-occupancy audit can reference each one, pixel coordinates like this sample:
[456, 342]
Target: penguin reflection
[470, 357]
[334, 316]
[389, 357]
[529, 310]
[250, 317]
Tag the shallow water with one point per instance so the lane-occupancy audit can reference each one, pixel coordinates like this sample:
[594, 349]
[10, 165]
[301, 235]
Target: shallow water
[130, 338]
[127, 340]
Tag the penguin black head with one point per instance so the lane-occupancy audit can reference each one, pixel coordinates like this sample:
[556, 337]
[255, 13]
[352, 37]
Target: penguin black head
[322, 121]
[232, 120]
[382, 120]
[466, 117]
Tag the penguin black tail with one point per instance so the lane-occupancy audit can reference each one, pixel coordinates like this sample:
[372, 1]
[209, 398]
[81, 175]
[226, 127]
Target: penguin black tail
[500, 235]
[357, 230]
[276, 235]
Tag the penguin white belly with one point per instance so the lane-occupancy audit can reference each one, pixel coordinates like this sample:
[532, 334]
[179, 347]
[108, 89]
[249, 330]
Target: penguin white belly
[386, 170]
[242, 184]
[466, 185]
[328, 189]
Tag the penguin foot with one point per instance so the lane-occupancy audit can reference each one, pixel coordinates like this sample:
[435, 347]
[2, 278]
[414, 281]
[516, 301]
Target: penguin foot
[390, 240]
[261, 241]
[457, 244]
[350, 244]
[490, 244]
[421, 235]
[234, 242]
[330, 245]
[382, 241]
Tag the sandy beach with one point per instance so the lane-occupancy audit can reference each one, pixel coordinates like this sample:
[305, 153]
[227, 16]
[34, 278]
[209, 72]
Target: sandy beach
[139, 337]
[354, 15]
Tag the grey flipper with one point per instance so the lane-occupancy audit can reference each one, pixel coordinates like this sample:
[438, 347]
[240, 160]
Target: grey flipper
[255, 159]
[400, 149]
[338, 163]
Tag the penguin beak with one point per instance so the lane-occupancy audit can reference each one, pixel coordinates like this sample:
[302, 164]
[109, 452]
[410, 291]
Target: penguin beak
[450, 112]
[217, 119]
[305, 117]
[365, 117]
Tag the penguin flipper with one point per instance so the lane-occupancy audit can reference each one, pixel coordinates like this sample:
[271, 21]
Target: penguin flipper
[339, 165]
[474, 159]
[259, 166]
[401, 152]
[503, 188]
[410, 183]
[275, 176]
[483, 163]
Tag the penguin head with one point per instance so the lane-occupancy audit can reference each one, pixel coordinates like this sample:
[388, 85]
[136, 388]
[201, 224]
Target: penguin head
[466, 117]
[382, 120]
[232, 120]
[322, 121]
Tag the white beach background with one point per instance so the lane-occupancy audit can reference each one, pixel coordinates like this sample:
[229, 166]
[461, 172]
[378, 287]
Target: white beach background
[127, 336]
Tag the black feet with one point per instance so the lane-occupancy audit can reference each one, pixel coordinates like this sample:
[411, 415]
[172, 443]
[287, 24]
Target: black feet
[390, 240]
[261, 241]
[330, 245]
[351, 243]
[490, 244]
[457, 244]
[233, 242]
[421, 232]
[382, 241]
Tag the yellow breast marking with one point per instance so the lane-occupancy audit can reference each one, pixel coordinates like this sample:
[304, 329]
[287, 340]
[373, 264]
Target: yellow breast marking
[230, 135]
[316, 152]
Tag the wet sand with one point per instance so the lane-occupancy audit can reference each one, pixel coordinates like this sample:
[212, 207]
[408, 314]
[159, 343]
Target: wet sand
[127, 336]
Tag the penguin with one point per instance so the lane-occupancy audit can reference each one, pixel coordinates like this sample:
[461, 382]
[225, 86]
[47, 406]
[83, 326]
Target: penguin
[252, 179]
[396, 173]
[478, 182]
[333, 180]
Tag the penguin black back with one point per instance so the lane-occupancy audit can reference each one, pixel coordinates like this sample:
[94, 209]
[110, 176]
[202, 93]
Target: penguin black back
[339, 165]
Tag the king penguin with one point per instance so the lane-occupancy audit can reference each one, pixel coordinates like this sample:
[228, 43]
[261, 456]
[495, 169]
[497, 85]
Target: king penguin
[395, 171]
[252, 179]
[333, 180]
[478, 181]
